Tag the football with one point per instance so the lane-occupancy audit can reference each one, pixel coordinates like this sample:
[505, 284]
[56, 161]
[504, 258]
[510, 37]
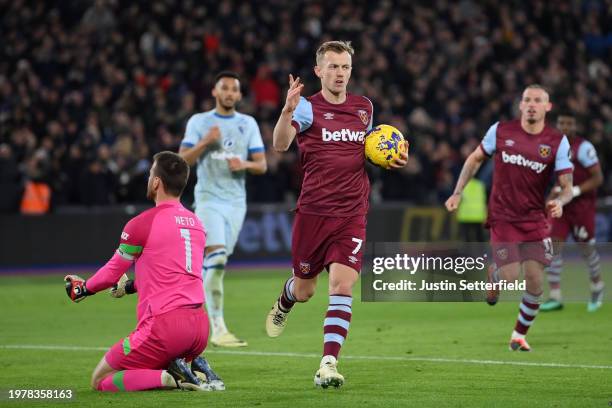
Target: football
[383, 144]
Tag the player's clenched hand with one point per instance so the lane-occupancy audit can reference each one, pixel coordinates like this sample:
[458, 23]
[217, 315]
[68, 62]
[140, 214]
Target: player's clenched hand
[75, 288]
[400, 162]
[453, 202]
[293, 94]
[213, 136]
[118, 290]
[555, 208]
[236, 164]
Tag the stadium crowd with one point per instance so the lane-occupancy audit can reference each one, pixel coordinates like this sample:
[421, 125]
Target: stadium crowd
[89, 91]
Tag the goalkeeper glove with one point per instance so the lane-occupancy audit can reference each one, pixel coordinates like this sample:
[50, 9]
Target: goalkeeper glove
[125, 286]
[118, 289]
[76, 288]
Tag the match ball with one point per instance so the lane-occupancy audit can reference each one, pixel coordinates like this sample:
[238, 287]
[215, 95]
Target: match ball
[383, 144]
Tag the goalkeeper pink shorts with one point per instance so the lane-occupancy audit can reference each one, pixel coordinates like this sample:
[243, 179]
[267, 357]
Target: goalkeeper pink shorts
[179, 333]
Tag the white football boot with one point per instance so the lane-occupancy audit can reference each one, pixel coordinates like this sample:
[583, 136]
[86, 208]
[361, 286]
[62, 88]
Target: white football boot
[328, 374]
[276, 321]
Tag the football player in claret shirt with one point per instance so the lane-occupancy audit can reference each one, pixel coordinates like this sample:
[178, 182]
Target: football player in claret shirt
[166, 243]
[330, 222]
[528, 152]
[578, 217]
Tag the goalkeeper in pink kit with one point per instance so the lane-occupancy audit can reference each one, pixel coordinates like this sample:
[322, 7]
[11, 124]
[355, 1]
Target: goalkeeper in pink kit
[166, 243]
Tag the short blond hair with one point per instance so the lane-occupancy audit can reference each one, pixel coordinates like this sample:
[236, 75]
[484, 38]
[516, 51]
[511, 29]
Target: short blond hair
[335, 46]
[537, 86]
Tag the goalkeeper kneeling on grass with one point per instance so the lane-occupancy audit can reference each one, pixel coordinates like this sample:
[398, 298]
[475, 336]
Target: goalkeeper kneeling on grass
[166, 243]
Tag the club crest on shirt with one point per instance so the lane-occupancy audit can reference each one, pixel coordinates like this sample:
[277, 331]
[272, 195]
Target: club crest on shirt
[363, 115]
[305, 268]
[591, 154]
[502, 253]
[544, 151]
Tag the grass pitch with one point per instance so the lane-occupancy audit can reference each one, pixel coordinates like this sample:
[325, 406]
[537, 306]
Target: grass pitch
[397, 354]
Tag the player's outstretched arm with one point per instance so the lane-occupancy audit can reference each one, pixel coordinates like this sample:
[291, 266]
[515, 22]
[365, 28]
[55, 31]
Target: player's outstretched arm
[191, 154]
[470, 167]
[110, 273]
[284, 133]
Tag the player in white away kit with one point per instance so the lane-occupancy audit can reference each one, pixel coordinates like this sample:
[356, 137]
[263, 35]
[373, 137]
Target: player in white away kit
[225, 144]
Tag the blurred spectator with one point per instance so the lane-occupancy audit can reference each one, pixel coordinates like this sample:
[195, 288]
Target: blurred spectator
[36, 199]
[96, 184]
[266, 90]
[98, 18]
[10, 180]
[127, 75]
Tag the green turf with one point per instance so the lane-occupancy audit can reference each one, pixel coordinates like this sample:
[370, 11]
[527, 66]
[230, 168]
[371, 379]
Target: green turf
[36, 311]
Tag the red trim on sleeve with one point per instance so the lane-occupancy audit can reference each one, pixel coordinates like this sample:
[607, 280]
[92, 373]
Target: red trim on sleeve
[564, 171]
[483, 150]
[296, 126]
[592, 166]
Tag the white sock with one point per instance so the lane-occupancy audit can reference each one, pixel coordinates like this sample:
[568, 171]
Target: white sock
[214, 271]
[217, 326]
[596, 287]
[555, 294]
[517, 335]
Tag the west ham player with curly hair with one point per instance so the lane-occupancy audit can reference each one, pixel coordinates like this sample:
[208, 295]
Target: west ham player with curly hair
[330, 222]
[578, 217]
[527, 154]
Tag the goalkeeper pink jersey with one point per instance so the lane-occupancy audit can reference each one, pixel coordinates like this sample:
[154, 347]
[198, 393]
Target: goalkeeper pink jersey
[167, 244]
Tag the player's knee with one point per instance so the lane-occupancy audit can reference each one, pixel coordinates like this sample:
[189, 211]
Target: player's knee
[303, 294]
[341, 288]
[510, 273]
[511, 276]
